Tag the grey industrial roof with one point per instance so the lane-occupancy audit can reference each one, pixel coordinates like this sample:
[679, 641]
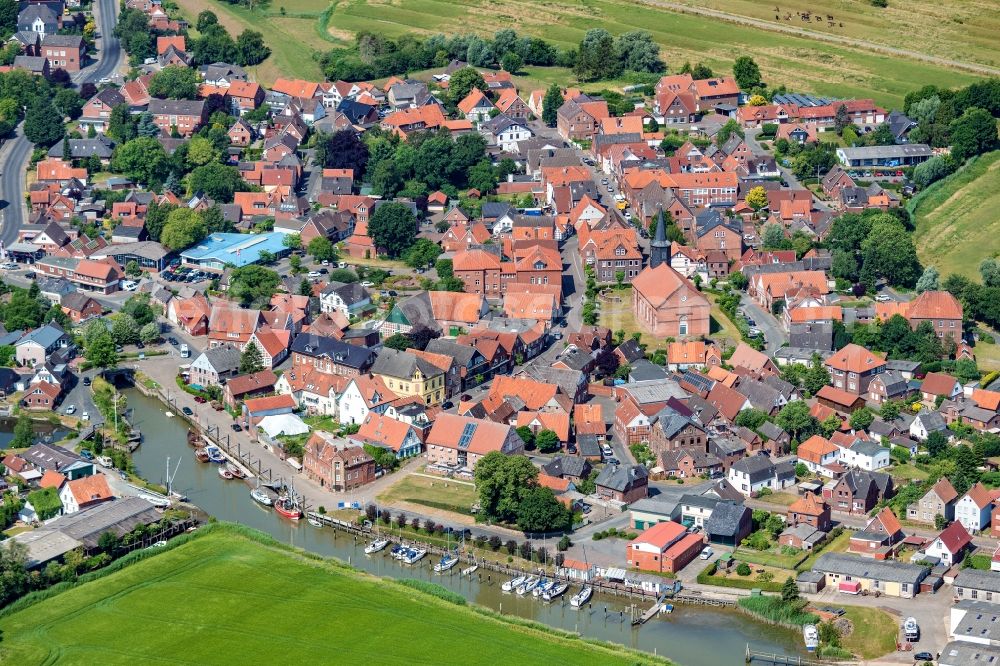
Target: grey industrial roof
[964, 653]
[978, 580]
[884, 152]
[863, 567]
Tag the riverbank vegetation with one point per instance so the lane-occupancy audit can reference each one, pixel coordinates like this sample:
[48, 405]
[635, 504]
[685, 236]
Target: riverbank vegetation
[152, 601]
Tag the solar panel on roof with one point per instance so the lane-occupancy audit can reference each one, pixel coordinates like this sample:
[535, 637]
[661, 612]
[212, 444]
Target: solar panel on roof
[467, 432]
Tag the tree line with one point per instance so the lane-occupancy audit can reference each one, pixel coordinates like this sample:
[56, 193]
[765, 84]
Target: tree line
[599, 55]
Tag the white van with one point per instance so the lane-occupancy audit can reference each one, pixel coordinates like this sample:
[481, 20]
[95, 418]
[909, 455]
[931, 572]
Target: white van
[129, 285]
[185, 352]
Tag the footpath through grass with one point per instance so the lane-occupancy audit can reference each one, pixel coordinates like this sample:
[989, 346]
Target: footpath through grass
[230, 594]
[956, 221]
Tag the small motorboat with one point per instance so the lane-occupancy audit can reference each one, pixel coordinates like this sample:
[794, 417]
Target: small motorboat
[376, 546]
[398, 552]
[446, 563]
[215, 454]
[557, 590]
[468, 571]
[235, 471]
[667, 608]
[811, 637]
[288, 508]
[194, 439]
[414, 555]
[910, 629]
[260, 496]
[527, 586]
[581, 598]
[201, 455]
[543, 587]
[314, 522]
[225, 473]
[512, 584]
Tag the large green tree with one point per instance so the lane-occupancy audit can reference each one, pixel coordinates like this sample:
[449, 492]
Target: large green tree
[463, 82]
[43, 123]
[393, 228]
[746, 73]
[974, 133]
[550, 105]
[540, 511]
[253, 285]
[184, 228]
[175, 82]
[502, 482]
[142, 159]
[217, 181]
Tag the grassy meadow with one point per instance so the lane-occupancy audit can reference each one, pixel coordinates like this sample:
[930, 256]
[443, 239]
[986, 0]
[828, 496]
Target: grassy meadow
[223, 598]
[956, 220]
[800, 63]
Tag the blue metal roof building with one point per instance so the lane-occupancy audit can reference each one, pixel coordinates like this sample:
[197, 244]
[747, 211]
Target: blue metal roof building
[220, 250]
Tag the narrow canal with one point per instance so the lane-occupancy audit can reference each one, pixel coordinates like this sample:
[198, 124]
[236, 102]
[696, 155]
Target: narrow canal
[691, 635]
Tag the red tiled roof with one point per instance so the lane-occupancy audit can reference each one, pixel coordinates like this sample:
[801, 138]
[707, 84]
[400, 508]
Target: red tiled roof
[955, 537]
[270, 402]
[661, 535]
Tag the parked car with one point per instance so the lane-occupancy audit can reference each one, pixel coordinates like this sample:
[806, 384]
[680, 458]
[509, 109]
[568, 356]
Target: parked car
[172, 341]
[86, 381]
[314, 274]
[200, 400]
[71, 409]
[187, 411]
[237, 427]
[706, 552]
[923, 656]
[368, 283]
[85, 416]
[86, 454]
[883, 298]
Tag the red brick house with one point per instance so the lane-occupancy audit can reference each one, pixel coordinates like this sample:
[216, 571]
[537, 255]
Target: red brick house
[79, 306]
[810, 510]
[42, 395]
[666, 547]
[64, 52]
[184, 115]
[336, 465]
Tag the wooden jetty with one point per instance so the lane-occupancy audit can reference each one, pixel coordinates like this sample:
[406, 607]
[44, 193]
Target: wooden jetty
[776, 659]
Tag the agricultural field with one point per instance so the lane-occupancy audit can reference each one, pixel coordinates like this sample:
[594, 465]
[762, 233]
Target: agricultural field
[224, 596]
[296, 29]
[963, 31]
[800, 63]
[956, 221]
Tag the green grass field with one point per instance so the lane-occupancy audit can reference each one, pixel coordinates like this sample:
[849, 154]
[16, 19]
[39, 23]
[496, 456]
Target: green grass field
[801, 63]
[223, 598]
[963, 31]
[444, 494]
[956, 221]
[875, 632]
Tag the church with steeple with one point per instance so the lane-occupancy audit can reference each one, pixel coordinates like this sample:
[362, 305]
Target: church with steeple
[659, 249]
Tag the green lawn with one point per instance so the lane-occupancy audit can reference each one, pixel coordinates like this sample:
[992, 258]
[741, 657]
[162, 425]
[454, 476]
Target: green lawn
[444, 494]
[224, 598]
[956, 221]
[875, 632]
[907, 473]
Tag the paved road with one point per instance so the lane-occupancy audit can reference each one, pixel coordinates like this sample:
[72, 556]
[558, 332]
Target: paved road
[823, 37]
[15, 153]
[774, 335]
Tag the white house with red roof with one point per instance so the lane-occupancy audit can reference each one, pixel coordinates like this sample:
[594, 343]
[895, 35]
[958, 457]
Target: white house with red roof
[950, 544]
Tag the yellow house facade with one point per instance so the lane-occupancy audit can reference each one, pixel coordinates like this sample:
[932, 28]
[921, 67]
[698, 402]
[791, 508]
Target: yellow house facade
[405, 374]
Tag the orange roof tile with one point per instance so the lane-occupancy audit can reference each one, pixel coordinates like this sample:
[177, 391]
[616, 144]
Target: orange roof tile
[979, 495]
[935, 305]
[270, 402]
[89, 489]
[661, 535]
[815, 449]
[855, 358]
[809, 505]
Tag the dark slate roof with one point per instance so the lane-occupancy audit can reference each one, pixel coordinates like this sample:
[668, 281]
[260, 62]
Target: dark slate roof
[225, 358]
[758, 467]
[395, 363]
[644, 370]
[576, 466]
[319, 346]
[176, 107]
[670, 422]
[630, 350]
[464, 355]
[493, 210]
[101, 146]
[771, 431]
[587, 445]
[620, 477]
[725, 519]
[350, 292]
